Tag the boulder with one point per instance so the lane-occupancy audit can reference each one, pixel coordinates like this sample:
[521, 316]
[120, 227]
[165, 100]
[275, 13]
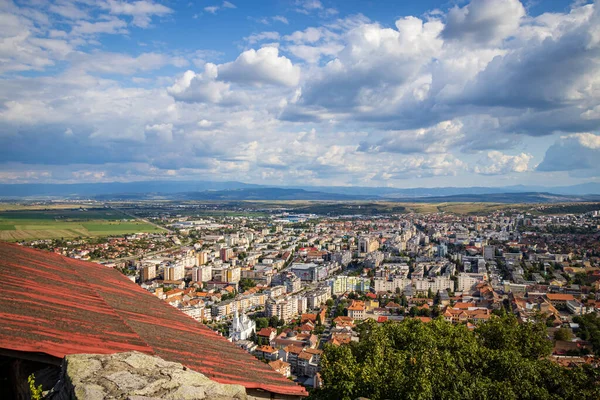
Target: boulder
[136, 376]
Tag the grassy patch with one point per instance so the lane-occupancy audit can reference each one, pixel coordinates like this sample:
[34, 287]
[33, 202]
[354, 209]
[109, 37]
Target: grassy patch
[119, 227]
[18, 225]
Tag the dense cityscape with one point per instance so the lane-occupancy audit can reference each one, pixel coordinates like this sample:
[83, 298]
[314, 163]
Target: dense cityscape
[284, 287]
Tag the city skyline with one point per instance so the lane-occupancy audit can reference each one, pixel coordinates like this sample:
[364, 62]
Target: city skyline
[290, 92]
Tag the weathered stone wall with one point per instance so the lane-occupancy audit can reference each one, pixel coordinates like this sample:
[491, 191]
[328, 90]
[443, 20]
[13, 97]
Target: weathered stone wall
[136, 376]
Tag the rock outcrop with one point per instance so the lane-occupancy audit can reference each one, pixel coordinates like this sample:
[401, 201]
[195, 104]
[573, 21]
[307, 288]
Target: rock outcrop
[136, 376]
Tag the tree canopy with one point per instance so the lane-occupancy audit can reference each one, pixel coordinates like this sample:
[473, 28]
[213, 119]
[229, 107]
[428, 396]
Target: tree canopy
[589, 329]
[501, 359]
[246, 283]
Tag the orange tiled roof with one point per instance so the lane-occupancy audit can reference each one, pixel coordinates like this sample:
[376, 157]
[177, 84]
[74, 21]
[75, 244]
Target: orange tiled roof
[559, 297]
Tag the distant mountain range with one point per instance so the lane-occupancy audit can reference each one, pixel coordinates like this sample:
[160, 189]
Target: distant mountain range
[237, 191]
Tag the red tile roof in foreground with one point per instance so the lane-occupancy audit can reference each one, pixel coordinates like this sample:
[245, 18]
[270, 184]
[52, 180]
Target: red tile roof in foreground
[57, 305]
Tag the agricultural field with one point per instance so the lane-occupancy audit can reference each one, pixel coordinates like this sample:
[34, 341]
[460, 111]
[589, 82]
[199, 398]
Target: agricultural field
[28, 224]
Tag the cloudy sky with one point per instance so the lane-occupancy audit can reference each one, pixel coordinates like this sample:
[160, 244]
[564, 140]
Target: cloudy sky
[350, 92]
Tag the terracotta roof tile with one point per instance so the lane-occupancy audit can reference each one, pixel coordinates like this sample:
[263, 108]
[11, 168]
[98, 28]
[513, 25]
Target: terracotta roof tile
[56, 305]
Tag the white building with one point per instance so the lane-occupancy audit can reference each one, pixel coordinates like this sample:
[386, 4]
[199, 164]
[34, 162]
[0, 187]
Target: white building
[436, 284]
[382, 284]
[241, 327]
[467, 282]
[202, 273]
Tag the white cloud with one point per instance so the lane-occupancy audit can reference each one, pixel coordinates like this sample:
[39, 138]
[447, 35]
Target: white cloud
[111, 25]
[415, 103]
[117, 63]
[498, 163]
[314, 54]
[142, 11]
[436, 139]
[484, 21]
[259, 37]
[263, 66]
[163, 131]
[215, 8]
[307, 6]
[361, 76]
[201, 88]
[281, 18]
[22, 50]
[309, 35]
[578, 151]
[69, 11]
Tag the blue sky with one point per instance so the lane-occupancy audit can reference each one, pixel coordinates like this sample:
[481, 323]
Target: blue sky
[370, 93]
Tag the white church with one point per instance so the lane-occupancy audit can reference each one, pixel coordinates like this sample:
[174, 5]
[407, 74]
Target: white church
[241, 328]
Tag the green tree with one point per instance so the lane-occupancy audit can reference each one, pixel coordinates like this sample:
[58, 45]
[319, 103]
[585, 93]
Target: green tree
[506, 333]
[246, 283]
[274, 321]
[589, 329]
[438, 360]
[261, 322]
[563, 334]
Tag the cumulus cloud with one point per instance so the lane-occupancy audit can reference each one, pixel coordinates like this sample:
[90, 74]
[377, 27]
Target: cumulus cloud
[361, 75]
[579, 151]
[436, 139]
[498, 163]
[455, 97]
[202, 88]
[161, 131]
[22, 50]
[263, 66]
[484, 22]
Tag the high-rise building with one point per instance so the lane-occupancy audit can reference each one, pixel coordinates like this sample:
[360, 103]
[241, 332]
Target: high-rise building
[202, 273]
[148, 272]
[442, 250]
[226, 253]
[232, 274]
[202, 257]
[367, 244]
[283, 309]
[174, 272]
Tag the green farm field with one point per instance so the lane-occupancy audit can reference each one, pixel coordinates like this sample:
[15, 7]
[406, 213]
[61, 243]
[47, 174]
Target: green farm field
[18, 225]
